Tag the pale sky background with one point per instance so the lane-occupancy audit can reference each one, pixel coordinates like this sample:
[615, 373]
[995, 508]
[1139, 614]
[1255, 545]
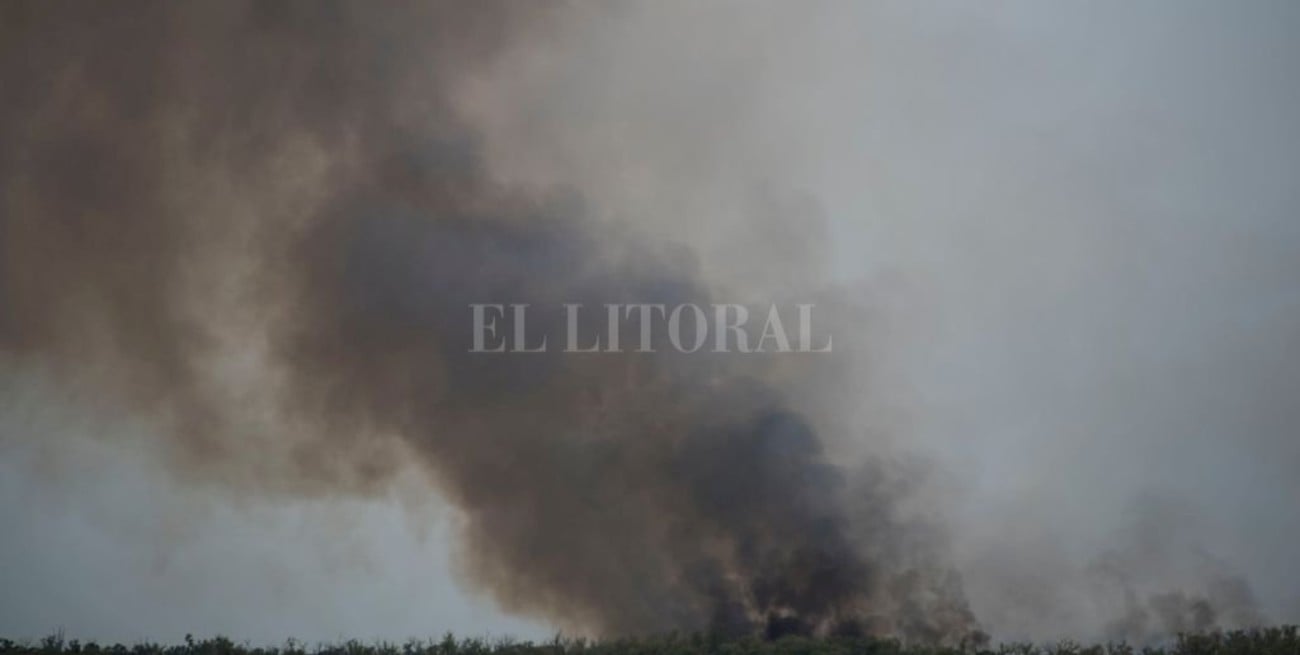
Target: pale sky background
[1089, 218]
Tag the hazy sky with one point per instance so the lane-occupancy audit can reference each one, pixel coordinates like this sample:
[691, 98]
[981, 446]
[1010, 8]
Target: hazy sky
[1079, 222]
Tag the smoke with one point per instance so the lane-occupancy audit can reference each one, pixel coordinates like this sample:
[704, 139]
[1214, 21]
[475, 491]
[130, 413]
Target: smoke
[263, 227]
[1059, 277]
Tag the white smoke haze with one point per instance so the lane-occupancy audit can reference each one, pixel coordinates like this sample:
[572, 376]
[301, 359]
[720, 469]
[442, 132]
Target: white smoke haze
[1060, 244]
[100, 544]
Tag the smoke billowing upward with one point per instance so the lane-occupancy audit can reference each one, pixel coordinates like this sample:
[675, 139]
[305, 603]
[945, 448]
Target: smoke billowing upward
[264, 226]
[259, 228]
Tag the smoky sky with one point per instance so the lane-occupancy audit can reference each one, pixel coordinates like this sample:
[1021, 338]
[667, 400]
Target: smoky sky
[1056, 247]
[616, 495]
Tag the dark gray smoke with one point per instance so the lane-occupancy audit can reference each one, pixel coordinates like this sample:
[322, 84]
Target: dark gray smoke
[263, 225]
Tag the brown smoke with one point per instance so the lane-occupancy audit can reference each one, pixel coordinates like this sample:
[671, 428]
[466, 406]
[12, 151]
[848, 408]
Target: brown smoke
[263, 225]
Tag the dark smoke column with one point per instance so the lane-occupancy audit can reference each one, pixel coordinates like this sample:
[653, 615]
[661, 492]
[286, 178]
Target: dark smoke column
[307, 156]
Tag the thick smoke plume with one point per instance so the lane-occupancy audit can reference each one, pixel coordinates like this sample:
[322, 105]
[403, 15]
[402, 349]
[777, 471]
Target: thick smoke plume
[256, 230]
[263, 225]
